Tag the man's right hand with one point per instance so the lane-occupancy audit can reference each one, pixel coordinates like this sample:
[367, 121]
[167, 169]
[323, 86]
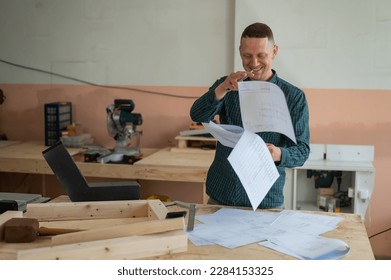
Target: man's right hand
[231, 83]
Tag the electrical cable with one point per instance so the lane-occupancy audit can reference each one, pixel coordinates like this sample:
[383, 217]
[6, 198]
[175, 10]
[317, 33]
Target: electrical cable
[94, 84]
[379, 233]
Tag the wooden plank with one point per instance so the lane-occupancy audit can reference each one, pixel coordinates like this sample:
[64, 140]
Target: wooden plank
[133, 247]
[31, 150]
[193, 150]
[91, 224]
[174, 174]
[7, 216]
[157, 210]
[166, 158]
[5, 143]
[87, 210]
[196, 138]
[148, 227]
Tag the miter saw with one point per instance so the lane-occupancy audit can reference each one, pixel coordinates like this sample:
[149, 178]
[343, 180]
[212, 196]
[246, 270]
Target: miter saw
[122, 126]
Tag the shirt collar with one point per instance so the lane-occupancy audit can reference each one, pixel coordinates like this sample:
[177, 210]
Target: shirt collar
[273, 78]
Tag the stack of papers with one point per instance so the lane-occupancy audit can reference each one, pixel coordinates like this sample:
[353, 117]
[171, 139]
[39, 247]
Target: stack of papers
[294, 233]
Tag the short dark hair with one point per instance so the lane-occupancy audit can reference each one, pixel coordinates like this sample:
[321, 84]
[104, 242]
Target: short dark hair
[258, 30]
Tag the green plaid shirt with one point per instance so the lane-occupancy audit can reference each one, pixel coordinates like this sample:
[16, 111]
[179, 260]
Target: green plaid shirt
[222, 183]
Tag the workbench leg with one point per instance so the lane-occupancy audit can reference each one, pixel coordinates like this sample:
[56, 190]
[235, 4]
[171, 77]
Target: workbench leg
[182, 144]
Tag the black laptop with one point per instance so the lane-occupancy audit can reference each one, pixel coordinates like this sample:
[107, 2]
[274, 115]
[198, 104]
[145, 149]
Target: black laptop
[77, 187]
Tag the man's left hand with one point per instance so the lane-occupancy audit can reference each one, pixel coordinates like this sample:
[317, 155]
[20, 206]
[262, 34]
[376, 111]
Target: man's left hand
[275, 152]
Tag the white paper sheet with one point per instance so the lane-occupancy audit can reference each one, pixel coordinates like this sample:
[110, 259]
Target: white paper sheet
[263, 107]
[232, 228]
[306, 222]
[227, 135]
[254, 166]
[310, 247]
[239, 216]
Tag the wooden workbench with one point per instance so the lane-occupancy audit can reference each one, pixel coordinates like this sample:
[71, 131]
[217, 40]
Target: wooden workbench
[158, 164]
[173, 165]
[351, 230]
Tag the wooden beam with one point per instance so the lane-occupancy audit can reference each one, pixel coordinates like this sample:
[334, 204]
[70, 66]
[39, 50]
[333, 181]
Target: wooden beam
[147, 227]
[157, 210]
[87, 210]
[133, 247]
[91, 224]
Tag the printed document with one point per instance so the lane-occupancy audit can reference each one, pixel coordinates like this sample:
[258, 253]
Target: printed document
[254, 166]
[308, 247]
[263, 107]
[291, 232]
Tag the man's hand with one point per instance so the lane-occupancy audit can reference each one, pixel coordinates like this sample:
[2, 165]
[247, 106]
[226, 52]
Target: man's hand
[275, 152]
[231, 83]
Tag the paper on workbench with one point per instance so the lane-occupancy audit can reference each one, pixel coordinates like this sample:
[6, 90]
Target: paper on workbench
[254, 166]
[306, 222]
[263, 107]
[225, 235]
[239, 216]
[308, 247]
[232, 228]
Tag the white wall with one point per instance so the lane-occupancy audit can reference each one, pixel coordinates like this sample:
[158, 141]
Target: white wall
[325, 43]
[117, 42]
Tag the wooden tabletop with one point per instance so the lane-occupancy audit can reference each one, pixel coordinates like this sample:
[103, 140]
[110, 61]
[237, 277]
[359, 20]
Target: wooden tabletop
[351, 230]
[156, 164]
[25, 157]
[175, 165]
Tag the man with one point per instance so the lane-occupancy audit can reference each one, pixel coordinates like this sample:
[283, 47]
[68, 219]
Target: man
[257, 51]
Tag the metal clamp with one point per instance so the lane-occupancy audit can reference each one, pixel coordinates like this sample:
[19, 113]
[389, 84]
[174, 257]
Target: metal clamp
[192, 209]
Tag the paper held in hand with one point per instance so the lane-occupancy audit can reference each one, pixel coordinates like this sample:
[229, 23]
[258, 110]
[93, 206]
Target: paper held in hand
[263, 107]
[254, 166]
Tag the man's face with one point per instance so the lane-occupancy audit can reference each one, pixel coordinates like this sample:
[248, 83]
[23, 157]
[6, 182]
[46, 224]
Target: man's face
[257, 55]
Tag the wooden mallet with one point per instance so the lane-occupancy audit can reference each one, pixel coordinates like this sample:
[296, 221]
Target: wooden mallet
[22, 230]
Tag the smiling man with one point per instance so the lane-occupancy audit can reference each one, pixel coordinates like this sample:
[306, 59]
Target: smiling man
[257, 51]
